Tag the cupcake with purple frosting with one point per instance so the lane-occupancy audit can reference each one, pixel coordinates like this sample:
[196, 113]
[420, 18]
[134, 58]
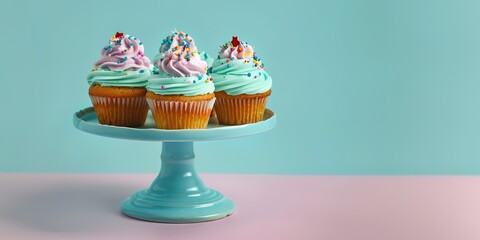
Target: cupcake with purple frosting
[118, 81]
[180, 93]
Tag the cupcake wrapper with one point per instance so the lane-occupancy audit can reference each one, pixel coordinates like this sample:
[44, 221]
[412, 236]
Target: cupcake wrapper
[181, 115]
[236, 111]
[128, 112]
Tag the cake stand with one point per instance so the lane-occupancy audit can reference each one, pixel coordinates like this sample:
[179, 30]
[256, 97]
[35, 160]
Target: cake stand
[177, 195]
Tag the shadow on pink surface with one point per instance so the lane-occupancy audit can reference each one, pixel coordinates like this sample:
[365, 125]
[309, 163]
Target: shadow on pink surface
[71, 207]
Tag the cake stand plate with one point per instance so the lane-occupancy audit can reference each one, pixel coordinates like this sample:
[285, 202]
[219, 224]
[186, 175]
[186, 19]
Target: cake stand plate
[177, 195]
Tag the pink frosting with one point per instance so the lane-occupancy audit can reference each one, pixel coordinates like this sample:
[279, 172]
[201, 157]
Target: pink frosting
[236, 50]
[123, 52]
[180, 56]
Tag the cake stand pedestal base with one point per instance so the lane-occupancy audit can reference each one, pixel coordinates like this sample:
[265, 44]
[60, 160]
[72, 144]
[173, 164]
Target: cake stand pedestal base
[177, 195]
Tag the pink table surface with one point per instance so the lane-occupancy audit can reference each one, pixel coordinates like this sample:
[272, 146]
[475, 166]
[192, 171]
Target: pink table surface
[86, 206]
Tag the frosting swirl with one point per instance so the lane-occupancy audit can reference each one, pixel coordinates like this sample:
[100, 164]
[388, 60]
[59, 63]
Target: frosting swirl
[178, 56]
[164, 84]
[179, 68]
[123, 52]
[236, 50]
[238, 70]
[204, 56]
[122, 63]
[127, 78]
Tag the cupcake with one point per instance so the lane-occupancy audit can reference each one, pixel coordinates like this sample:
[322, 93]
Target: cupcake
[118, 81]
[241, 84]
[180, 93]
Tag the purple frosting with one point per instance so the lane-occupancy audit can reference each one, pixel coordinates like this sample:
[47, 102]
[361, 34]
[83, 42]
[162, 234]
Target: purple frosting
[123, 52]
[180, 56]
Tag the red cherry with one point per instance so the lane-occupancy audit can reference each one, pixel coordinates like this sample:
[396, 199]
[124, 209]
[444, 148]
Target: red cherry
[235, 41]
[118, 35]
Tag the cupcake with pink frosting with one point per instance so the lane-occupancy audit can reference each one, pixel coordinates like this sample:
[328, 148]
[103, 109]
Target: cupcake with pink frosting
[118, 81]
[180, 93]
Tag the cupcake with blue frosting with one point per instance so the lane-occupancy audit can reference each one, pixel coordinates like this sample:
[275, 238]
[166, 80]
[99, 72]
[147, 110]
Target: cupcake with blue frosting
[242, 85]
[118, 82]
[180, 93]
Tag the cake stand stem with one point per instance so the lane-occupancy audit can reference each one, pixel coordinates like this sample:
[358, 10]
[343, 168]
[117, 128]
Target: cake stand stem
[178, 195]
[177, 174]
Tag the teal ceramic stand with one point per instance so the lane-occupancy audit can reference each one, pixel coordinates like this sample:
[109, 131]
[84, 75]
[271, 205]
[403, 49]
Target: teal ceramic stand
[177, 195]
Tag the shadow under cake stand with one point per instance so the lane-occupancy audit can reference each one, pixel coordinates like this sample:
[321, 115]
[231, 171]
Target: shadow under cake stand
[177, 195]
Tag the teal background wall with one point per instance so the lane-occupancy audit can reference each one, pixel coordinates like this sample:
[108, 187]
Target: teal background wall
[360, 87]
